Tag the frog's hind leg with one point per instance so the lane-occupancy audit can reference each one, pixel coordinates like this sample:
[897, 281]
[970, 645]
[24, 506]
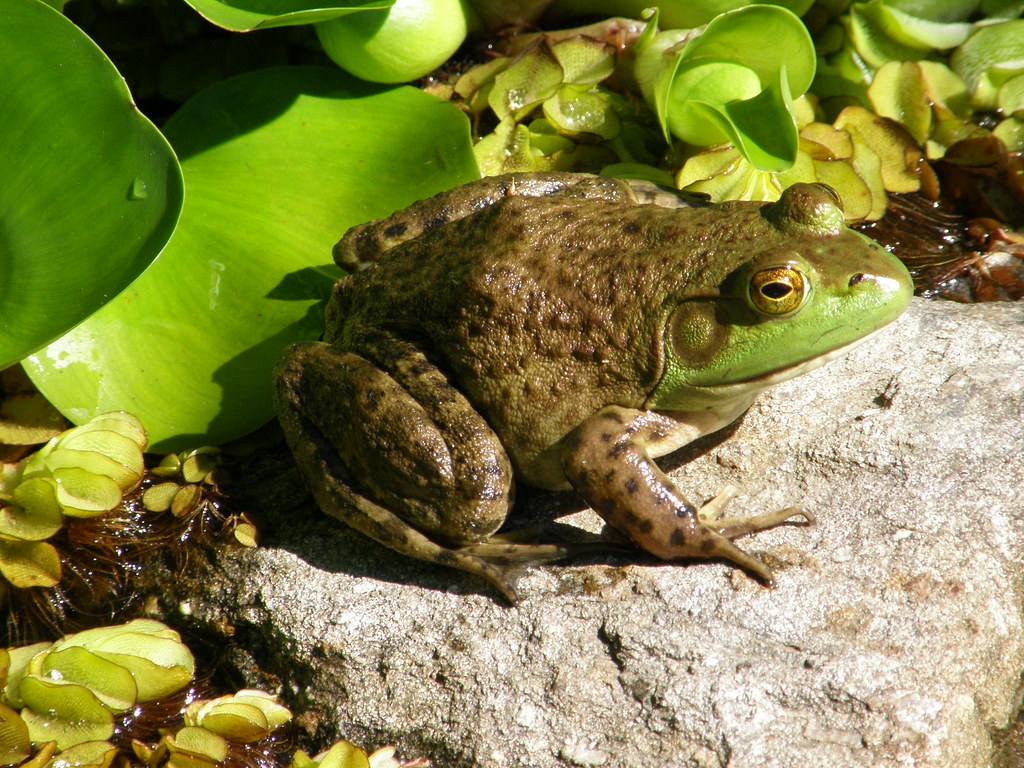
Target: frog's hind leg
[340, 500]
[389, 447]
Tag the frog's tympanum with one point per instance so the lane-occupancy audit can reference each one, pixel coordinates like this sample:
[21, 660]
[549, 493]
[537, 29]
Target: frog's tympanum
[564, 329]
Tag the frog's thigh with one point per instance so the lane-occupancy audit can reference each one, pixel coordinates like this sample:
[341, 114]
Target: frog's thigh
[406, 453]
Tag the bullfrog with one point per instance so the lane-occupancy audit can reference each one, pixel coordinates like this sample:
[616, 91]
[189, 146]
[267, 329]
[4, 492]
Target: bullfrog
[564, 330]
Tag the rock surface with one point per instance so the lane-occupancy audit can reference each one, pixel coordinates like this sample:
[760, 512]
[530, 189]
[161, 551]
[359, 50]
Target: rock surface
[892, 638]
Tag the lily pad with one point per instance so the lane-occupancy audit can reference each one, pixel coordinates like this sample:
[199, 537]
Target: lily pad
[91, 190]
[278, 164]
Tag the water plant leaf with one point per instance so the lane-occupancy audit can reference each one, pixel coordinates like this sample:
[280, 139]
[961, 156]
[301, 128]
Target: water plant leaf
[91, 190]
[990, 57]
[410, 39]
[18, 661]
[112, 684]
[123, 423]
[899, 93]
[343, 755]
[247, 15]
[675, 14]
[155, 680]
[37, 515]
[535, 76]
[1010, 99]
[63, 712]
[80, 493]
[881, 32]
[762, 127]
[276, 713]
[899, 154]
[89, 754]
[575, 113]
[96, 463]
[27, 419]
[199, 742]
[584, 60]
[15, 744]
[239, 722]
[158, 498]
[734, 82]
[273, 183]
[29, 563]
[150, 650]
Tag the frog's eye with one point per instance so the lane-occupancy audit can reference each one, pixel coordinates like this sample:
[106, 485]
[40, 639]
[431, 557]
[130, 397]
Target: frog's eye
[778, 290]
[831, 193]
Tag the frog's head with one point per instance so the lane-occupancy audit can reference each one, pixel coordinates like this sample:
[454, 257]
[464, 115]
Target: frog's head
[812, 290]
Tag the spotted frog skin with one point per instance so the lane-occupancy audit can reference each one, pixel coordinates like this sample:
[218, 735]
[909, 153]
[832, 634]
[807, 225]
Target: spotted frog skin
[564, 330]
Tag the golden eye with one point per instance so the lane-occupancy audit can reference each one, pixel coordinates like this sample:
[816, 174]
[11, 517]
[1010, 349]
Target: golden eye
[778, 290]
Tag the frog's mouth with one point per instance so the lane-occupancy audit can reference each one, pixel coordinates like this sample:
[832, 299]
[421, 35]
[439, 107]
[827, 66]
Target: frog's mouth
[797, 369]
[716, 397]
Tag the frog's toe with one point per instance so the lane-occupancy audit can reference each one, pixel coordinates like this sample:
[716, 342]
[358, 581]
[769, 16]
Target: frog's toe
[501, 578]
[735, 527]
[710, 516]
[712, 546]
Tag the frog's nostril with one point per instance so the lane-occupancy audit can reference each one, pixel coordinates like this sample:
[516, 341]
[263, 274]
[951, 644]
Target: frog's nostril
[858, 278]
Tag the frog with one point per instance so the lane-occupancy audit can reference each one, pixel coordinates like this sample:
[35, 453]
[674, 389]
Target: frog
[563, 331]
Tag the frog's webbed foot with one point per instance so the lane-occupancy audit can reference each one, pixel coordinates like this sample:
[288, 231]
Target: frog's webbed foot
[710, 515]
[606, 460]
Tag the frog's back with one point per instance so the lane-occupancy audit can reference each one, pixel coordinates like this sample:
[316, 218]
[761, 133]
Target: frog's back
[559, 302]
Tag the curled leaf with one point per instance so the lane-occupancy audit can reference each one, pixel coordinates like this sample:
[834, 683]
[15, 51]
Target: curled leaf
[734, 82]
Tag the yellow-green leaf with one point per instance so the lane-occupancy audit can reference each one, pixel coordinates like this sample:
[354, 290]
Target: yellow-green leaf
[63, 712]
[111, 683]
[29, 563]
[15, 744]
[82, 494]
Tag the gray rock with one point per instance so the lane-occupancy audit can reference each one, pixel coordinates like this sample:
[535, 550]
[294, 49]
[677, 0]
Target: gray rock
[892, 638]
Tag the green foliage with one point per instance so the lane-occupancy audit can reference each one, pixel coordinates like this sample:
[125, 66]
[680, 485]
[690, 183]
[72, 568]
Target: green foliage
[734, 82]
[82, 472]
[278, 164]
[70, 691]
[61, 702]
[247, 15]
[410, 39]
[91, 190]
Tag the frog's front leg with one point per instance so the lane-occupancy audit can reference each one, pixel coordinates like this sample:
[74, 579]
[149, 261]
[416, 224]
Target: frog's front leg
[606, 460]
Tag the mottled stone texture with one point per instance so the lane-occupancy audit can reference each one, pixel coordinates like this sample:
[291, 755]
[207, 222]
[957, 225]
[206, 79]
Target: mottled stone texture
[893, 636]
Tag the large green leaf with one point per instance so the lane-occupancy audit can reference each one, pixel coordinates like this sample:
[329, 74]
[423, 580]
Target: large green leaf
[734, 82]
[90, 190]
[247, 15]
[278, 164]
